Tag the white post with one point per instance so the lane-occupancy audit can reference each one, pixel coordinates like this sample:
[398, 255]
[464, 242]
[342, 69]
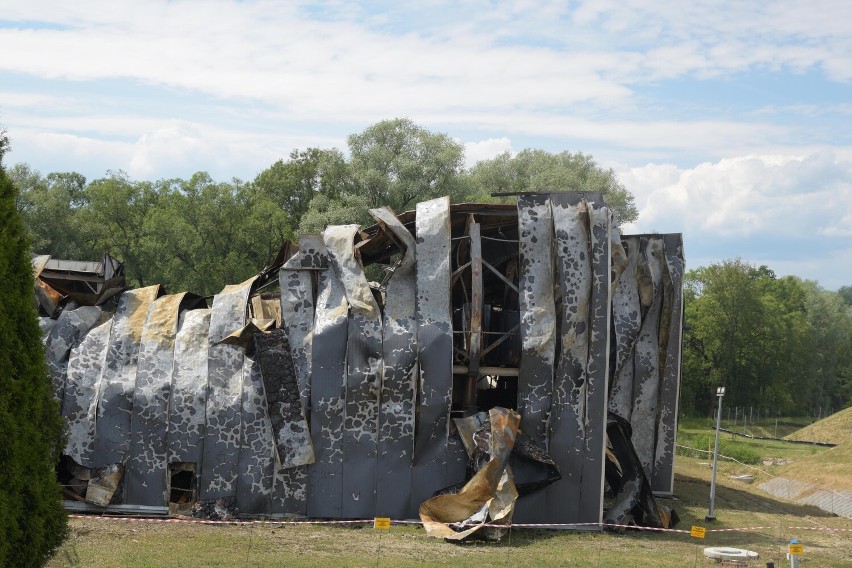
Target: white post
[711, 516]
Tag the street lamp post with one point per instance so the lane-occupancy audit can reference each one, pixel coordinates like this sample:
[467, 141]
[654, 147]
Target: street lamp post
[711, 516]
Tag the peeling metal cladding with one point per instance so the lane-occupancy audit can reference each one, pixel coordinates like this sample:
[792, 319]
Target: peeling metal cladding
[626, 321]
[79, 407]
[118, 381]
[363, 376]
[435, 345]
[646, 379]
[145, 474]
[257, 449]
[597, 377]
[328, 393]
[220, 460]
[45, 324]
[567, 424]
[187, 414]
[288, 427]
[297, 311]
[398, 396]
[538, 336]
[662, 479]
[66, 333]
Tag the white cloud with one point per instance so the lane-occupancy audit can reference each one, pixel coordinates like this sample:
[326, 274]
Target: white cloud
[485, 150]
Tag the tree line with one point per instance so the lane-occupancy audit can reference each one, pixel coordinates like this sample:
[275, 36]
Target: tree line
[782, 344]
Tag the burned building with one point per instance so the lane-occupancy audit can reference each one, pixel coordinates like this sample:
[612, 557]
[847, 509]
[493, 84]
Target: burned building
[393, 364]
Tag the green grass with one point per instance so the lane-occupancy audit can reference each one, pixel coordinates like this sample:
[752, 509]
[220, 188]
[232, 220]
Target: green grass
[835, 429]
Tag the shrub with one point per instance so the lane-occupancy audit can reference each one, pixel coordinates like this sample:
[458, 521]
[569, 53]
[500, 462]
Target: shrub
[32, 520]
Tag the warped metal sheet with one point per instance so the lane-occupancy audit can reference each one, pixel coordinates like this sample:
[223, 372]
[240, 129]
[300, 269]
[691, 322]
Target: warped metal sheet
[257, 450]
[187, 416]
[568, 414]
[626, 321]
[328, 391]
[145, 473]
[662, 479]
[363, 376]
[597, 371]
[435, 348]
[646, 380]
[399, 345]
[79, 407]
[112, 430]
[538, 335]
[66, 333]
[225, 381]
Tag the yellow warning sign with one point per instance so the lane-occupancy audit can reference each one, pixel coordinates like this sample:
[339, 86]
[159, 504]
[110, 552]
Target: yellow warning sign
[796, 550]
[381, 523]
[697, 532]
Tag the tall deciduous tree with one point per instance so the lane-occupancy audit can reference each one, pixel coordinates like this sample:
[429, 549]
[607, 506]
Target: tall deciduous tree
[32, 520]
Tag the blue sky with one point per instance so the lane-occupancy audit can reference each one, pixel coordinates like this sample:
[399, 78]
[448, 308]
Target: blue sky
[729, 121]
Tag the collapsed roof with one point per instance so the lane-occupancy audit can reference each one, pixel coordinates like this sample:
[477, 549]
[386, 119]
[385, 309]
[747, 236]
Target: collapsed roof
[338, 397]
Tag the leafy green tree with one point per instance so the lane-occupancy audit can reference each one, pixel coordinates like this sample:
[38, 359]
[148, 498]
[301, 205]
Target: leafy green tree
[32, 520]
[538, 170]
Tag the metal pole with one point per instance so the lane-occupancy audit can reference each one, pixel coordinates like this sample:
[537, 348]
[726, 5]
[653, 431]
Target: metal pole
[711, 516]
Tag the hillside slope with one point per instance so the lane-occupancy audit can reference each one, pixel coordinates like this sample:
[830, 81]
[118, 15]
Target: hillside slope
[835, 429]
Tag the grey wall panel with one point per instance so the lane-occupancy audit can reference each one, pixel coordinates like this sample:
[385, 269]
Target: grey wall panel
[567, 426]
[118, 382]
[187, 411]
[145, 475]
[363, 376]
[257, 450]
[597, 371]
[66, 333]
[328, 375]
[646, 380]
[626, 321]
[224, 395]
[435, 349]
[538, 337]
[79, 407]
[662, 479]
[399, 345]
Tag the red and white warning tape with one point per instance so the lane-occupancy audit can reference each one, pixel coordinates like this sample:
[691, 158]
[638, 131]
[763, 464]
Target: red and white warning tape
[371, 521]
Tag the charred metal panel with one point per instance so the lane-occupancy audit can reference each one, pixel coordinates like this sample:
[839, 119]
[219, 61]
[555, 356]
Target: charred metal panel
[257, 450]
[538, 333]
[568, 414]
[79, 407]
[646, 380]
[399, 346]
[187, 416]
[145, 473]
[597, 371]
[66, 333]
[225, 386]
[328, 391]
[363, 376]
[626, 321]
[115, 404]
[435, 348]
[662, 479]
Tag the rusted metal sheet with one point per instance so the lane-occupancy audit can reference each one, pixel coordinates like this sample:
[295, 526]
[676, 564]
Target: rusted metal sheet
[220, 461]
[597, 370]
[538, 334]
[646, 380]
[256, 449]
[328, 388]
[115, 404]
[626, 321]
[145, 473]
[399, 346]
[187, 416]
[662, 479]
[363, 376]
[79, 407]
[435, 348]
